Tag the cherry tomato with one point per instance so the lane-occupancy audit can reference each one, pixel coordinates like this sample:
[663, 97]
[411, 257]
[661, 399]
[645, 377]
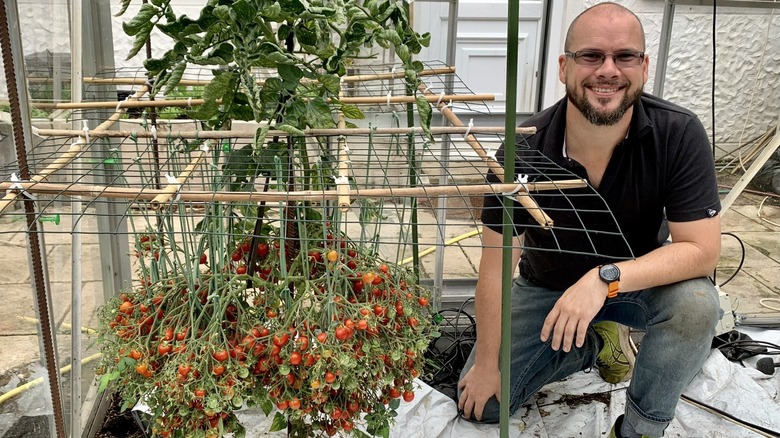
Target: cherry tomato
[220, 356]
[126, 307]
[164, 348]
[184, 369]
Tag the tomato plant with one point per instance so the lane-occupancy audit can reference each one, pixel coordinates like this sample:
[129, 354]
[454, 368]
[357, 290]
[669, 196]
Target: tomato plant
[272, 306]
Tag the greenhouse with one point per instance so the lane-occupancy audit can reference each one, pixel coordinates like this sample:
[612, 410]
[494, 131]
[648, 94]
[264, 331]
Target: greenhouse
[299, 218]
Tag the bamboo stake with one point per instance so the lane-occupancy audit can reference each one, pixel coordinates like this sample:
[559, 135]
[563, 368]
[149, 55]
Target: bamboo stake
[200, 82]
[435, 130]
[75, 149]
[178, 103]
[523, 197]
[342, 183]
[175, 184]
[136, 194]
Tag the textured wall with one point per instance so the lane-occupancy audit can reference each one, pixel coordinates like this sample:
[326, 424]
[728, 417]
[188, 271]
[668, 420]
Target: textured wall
[747, 84]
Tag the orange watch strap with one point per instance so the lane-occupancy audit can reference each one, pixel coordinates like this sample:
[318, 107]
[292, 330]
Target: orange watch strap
[612, 289]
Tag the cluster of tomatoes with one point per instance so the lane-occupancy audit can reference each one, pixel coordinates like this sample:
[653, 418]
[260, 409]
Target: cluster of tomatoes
[335, 344]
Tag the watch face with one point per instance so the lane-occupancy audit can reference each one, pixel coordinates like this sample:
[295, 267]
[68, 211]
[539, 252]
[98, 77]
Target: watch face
[609, 273]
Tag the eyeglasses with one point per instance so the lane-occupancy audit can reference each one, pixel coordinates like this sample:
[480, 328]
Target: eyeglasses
[595, 58]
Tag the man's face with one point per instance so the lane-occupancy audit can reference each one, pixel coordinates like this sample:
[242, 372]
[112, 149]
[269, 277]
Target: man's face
[604, 93]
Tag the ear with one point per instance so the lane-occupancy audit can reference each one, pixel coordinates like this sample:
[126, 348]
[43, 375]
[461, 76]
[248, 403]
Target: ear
[562, 69]
[646, 66]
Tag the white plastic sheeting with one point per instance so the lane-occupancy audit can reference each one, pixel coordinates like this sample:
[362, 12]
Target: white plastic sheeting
[585, 406]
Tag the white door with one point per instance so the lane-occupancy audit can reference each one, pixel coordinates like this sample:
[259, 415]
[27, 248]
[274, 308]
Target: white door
[481, 48]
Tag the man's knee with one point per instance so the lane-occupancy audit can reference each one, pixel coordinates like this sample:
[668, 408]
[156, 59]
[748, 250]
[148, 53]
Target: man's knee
[695, 307]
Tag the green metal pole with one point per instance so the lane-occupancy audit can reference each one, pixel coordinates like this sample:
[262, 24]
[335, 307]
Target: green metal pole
[513, 17]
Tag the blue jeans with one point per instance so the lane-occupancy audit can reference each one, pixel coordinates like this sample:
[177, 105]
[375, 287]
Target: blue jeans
[679, 321]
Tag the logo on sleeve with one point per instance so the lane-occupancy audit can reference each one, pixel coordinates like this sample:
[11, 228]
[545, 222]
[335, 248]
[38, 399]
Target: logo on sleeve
[711, 212]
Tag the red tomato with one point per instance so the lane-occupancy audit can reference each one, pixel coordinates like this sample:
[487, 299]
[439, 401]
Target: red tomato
[218, 370]
[184, 369]
[164, 348]
[220, 356]
[408, 396]
[126, 307]
[168, 334]
[281, 341]
[295, 358]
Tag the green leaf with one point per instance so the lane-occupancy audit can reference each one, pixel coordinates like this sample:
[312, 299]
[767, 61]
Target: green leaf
[155, 65]
[266, 406]
[332, 83]
[352, 112]
[141, 21]
[244, 9]
[140, 40]
[175, 77]
[403, 53]
[222, 12]
[292, 7]
[392, 36]
[319, 114]
[260, 135]
[291, 75]
[292, 130]
[105, 379]
[125, 4]
[279, 423]
[425, 113]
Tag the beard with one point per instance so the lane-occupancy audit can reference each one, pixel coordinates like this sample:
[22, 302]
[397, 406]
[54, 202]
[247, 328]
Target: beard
[595, 117]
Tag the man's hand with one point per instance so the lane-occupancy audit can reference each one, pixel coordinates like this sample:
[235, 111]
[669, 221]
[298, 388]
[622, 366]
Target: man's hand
[569, 319]
[476, 387]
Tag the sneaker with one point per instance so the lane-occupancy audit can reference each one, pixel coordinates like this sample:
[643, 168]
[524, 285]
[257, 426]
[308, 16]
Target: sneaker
[615, 432]
[616, 359]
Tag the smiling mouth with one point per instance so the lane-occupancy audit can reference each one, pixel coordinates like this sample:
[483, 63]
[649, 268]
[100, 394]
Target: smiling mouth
[605, 90]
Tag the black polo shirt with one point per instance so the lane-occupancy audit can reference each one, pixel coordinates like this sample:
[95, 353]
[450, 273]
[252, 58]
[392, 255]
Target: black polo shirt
[664, 168]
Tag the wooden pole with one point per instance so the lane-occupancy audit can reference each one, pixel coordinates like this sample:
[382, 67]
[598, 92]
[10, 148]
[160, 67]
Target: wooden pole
[136, 194]
[342, 183]
[201, 82]
[435, 130]
[179, 103]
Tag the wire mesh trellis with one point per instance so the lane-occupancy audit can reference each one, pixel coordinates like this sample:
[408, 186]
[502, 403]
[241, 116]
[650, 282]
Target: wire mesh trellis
[341, 217]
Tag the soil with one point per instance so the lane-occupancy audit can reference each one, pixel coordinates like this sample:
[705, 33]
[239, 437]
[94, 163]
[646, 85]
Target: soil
[119, 424]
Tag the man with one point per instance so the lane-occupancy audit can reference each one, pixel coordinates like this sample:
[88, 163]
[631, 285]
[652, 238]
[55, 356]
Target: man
[649, 160]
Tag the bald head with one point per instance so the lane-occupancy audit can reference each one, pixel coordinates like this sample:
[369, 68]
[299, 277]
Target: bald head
[612, 10]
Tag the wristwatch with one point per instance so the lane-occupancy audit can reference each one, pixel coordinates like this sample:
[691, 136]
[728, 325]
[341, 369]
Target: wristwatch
[610, 274]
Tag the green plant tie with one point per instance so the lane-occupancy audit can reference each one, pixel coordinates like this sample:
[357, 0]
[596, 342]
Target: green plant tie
[55, 219]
